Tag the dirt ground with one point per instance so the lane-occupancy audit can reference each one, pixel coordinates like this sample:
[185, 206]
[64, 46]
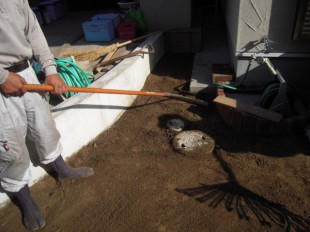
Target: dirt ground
[250, 183]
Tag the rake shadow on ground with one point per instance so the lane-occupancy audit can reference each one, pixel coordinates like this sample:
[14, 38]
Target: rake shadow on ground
[245, 202]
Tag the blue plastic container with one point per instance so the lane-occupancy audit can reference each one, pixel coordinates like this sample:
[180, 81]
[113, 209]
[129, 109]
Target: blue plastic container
[52, 10]
[98, 30]
[114, 17]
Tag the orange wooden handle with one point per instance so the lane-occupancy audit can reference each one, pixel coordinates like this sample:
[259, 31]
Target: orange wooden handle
[49, 88]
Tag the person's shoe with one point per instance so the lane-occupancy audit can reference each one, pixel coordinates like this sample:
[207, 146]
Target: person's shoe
[65, 172]
[32, 217]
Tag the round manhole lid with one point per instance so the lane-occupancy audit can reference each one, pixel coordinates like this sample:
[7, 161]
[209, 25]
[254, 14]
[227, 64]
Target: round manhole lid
[193, 143]
[175, 124]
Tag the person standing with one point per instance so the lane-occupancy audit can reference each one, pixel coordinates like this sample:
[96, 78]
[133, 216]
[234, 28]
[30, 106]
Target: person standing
[26, 114]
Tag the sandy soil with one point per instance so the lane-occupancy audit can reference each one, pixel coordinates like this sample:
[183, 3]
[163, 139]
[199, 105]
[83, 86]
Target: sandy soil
[249, 183]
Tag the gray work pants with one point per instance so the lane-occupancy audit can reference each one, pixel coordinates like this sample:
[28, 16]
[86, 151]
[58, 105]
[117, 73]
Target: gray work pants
[20, 117]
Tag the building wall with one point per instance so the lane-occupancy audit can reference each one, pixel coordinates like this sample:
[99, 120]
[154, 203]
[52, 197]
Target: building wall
[160, 14]
[272, 18]
[232, 10]
[253, 25]
[248, 21]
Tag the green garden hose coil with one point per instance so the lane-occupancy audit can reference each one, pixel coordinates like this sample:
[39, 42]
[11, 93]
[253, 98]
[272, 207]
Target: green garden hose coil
[72, 74]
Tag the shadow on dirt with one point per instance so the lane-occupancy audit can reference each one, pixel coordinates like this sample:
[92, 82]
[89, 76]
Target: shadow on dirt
[180, 66]
[234, 196]
[233, 141]
[245, 202]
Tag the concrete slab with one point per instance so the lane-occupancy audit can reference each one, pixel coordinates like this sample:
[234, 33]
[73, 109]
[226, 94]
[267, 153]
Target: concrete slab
[202, 76]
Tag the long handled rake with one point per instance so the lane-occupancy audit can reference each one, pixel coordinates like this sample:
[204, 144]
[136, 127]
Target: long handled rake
[49, 88]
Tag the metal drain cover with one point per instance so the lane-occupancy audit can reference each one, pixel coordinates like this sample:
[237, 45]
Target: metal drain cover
[175, 124]
[193, 143]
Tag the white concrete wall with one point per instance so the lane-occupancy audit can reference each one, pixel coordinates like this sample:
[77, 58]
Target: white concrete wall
[81, 118]
[162, 14]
